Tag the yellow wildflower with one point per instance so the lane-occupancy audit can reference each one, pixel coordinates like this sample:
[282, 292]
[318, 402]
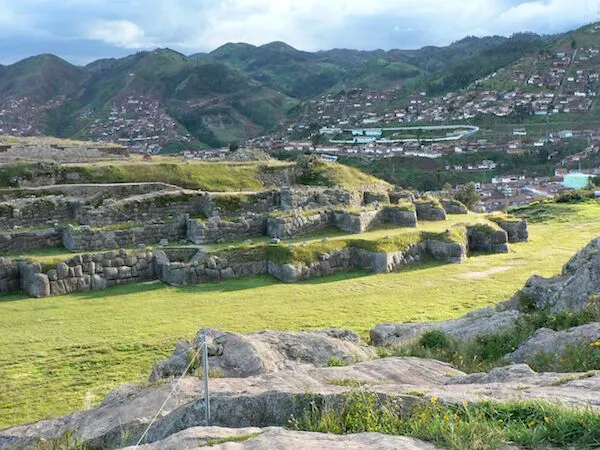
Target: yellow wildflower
[434, 400]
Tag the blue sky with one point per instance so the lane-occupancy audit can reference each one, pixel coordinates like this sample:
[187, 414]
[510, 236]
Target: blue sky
[83, 30]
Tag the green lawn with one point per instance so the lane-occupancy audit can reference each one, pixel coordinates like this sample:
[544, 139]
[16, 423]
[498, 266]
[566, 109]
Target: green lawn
[62, 354]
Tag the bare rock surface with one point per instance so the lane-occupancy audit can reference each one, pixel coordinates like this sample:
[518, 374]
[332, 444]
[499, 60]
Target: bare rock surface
[545, 340]
[281, 439]
[572, 289]
[238, 355]
[270, 399]
[478, 323]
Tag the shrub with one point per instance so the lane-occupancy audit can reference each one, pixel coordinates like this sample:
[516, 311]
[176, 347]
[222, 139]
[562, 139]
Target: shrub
[576, 196]
[434, 339]
[336, 362]
[467, 195]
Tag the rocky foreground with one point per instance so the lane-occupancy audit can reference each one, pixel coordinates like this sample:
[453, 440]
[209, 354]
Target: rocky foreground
[261, 380]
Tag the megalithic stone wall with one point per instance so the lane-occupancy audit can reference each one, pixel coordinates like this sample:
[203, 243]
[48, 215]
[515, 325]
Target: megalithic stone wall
[9, 276]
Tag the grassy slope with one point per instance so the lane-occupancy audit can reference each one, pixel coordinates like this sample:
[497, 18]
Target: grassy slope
[70, 350]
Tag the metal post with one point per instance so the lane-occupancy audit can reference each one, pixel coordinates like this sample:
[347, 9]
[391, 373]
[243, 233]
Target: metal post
[205, 375]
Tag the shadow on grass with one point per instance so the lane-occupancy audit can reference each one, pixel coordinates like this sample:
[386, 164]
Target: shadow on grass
[13, 297]
[240, 284]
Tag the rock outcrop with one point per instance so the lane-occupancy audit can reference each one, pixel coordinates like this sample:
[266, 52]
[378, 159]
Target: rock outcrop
[477, 323]
[553, 342]
[573, 289]
[281, 439]
[237, 355]
[270, 399]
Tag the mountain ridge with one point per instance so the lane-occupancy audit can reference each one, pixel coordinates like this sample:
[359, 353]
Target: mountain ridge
[240, 90]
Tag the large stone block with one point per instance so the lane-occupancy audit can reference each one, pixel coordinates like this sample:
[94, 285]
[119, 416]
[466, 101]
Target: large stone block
[38, 286]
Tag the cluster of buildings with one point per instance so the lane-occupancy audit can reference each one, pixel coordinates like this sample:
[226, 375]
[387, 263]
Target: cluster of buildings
[137, 122]
[24, 117]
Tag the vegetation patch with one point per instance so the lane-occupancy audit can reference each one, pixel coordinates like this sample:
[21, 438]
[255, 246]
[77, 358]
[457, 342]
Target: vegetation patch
[403, 206]
[498, 218]
[233, 202]
[487, 228]
[302, 254]
[123, 351]
[347, 382]
[477, 426]
[486, 352]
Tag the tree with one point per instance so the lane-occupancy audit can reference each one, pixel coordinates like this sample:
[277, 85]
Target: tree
[574, 44]
[234, 146]
[447, 188]
[467, 195]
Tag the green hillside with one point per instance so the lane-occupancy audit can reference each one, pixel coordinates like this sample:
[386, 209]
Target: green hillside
[239, 90]
[40, 78]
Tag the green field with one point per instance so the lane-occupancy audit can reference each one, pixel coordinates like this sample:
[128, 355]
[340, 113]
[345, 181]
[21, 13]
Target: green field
[62, 354]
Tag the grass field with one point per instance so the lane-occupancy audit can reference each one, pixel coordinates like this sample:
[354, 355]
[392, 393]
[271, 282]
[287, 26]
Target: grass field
[62, 354]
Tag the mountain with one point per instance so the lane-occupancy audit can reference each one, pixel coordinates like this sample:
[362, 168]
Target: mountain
[241, 90]
[304, 75]
[40, 78]
[213, 102]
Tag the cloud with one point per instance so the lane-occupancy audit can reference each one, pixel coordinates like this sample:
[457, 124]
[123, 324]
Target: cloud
[85, 29]
[120, 33]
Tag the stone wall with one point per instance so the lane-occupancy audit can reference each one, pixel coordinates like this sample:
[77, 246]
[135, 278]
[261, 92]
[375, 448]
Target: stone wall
[358, 222]
[376, 197]
[399, 215]
[9, 276]
[430, 210]
[351, 258]
[35, 212]
[331, 263]
[401, 196]
[236, 204]
[453, 206]
[487, 240]
[85, 238]
[219, 266]
[517, 230]
[219, 230]
[298, 223]
[100, 270]
[113, 190]
[314, 198]
[28, 240]
[148, 208]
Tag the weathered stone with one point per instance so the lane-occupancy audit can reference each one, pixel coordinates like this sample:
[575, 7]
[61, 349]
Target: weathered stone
[124, 272]
[552, 342]
[111, 273]
[98, 283]
[52, 275]
[39, 286]
[282, 439]
[478, 323]
[77, 271]
[62, 271]
[572, 289]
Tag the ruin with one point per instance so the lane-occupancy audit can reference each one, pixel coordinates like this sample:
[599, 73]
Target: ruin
[94, 220]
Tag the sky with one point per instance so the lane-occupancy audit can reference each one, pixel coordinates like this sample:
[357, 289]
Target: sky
[81, 31]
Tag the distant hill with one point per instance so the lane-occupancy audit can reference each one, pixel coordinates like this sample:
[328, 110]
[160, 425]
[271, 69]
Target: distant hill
[240, 90]
[40, 78]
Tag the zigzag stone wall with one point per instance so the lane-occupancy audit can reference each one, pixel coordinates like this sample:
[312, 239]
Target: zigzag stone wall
[28, 240]
[84, 238]
[87, 272]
